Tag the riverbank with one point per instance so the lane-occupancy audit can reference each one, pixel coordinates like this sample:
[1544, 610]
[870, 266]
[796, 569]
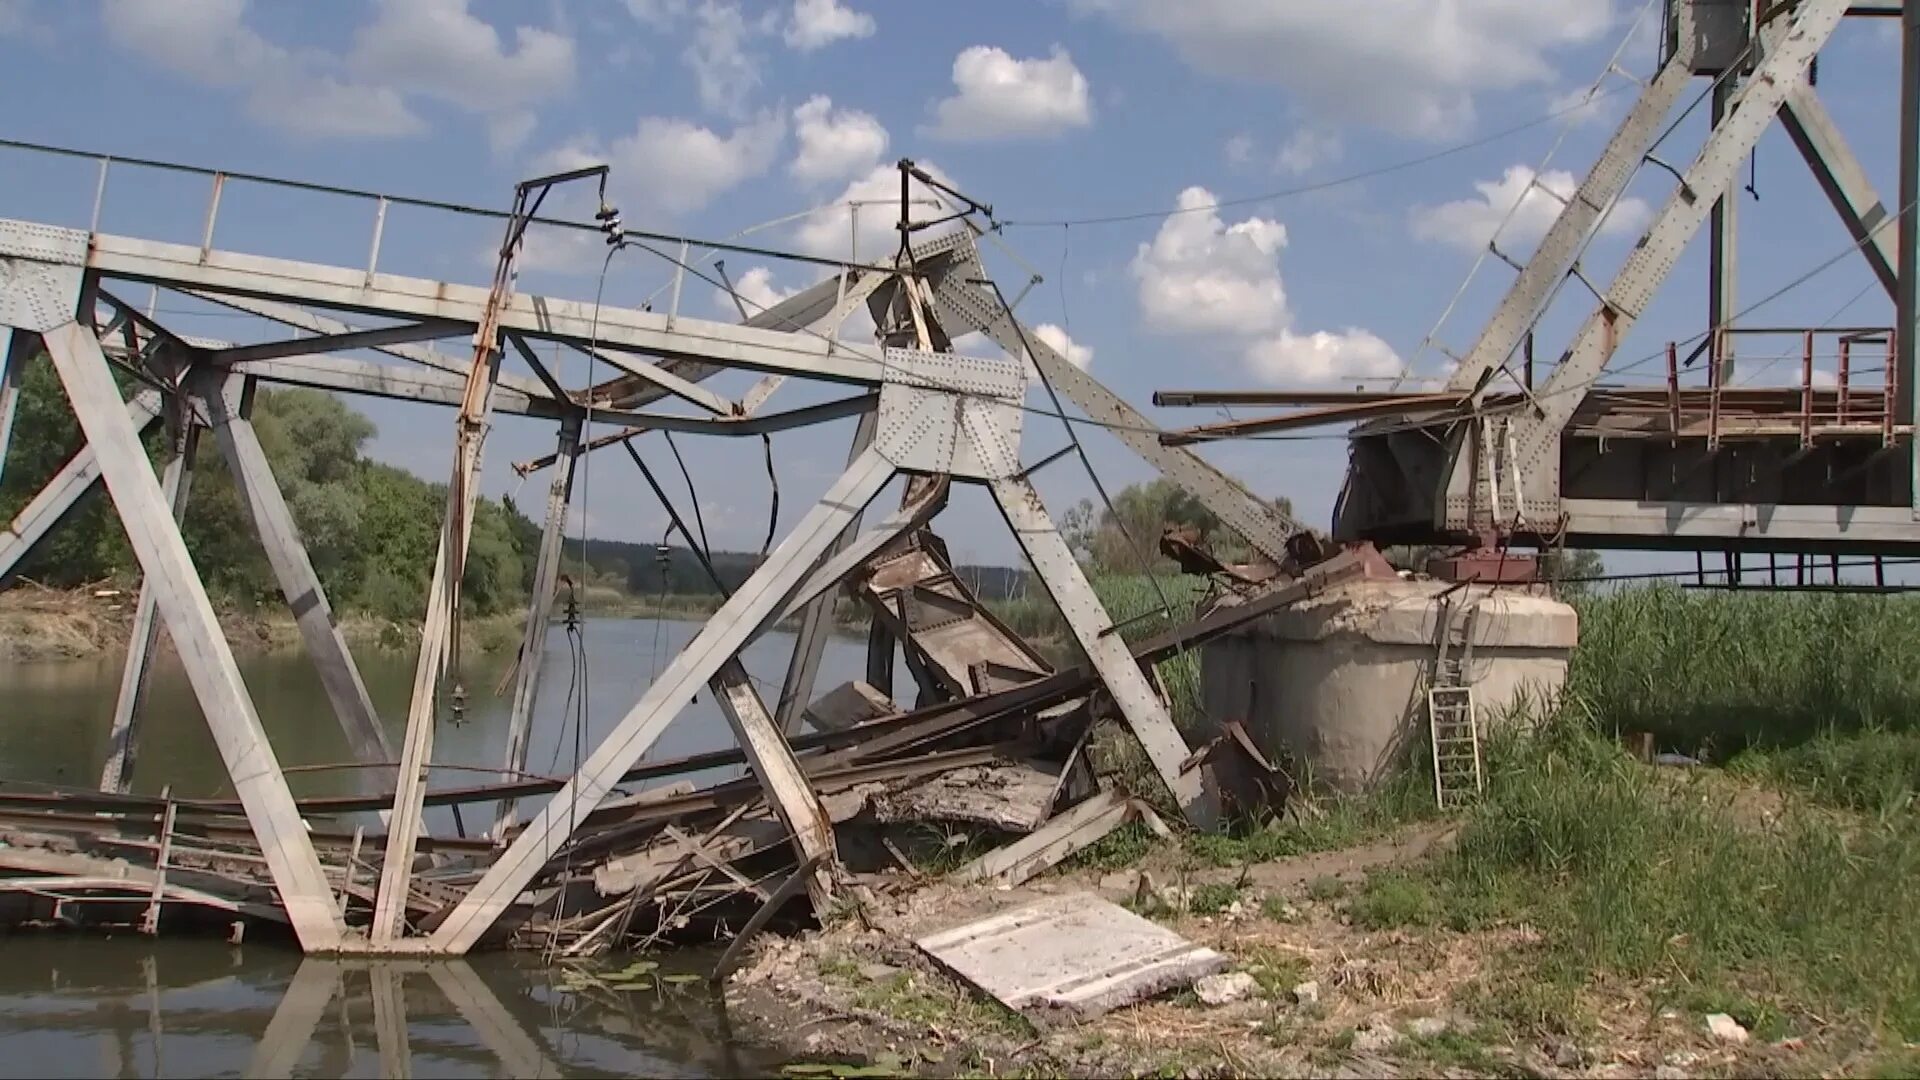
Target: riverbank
[40, 624]
[1593, 916]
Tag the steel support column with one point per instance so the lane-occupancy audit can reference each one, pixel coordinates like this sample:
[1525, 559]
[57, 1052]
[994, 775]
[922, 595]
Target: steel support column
[1723, 265]
[533, 640]
[15, 346]
[195, 629]
[123, 745]
[737, 621]
[1907, 302]
[1093, 628]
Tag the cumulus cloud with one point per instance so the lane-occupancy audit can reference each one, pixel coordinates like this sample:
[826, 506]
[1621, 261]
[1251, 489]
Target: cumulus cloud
[724, 72]
[439, 49]
[1080, 356]
[1471, 224]
[303, 93]
[1307, 149]
[1410, 66]
[672, 166]
[816, 24]
[757, 291]
[870, 206]
[999, 97]
[1202, 276]
[834, 144]
[1322, 357]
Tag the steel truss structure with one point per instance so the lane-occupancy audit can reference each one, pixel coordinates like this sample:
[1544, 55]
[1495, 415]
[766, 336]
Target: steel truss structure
[926, 414]
[1572, 460]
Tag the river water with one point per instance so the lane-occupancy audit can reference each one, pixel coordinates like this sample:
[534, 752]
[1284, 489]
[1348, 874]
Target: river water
[72, 1006]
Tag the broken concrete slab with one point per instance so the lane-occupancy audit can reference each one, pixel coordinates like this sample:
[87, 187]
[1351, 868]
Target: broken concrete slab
[1074, 956]
[848, 704]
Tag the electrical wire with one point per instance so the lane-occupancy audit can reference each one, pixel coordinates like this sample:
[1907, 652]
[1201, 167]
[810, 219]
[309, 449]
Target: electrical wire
[1308, 189]
[693, 495]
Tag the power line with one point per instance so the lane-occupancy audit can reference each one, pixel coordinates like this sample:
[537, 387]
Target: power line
[1322, 185]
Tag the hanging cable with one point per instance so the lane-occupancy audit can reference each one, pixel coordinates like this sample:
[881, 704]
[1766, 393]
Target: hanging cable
[693, 496]
[773, 506]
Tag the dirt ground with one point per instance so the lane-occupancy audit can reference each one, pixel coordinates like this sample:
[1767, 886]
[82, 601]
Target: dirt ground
[1331, 999]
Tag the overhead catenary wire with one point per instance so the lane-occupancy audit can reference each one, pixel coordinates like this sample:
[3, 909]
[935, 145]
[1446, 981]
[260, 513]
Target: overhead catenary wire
[1348, 179]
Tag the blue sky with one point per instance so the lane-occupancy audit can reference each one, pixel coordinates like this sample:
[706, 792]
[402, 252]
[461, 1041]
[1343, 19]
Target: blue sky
[718, 115]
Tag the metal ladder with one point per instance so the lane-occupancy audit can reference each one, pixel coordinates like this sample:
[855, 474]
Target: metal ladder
[1453, 727]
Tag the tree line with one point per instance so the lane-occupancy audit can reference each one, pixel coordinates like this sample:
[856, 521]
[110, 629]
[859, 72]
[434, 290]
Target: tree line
[371, 529]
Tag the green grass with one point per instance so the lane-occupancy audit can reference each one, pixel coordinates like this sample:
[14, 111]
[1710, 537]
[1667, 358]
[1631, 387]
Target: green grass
[1717, 673]
[1624, 871]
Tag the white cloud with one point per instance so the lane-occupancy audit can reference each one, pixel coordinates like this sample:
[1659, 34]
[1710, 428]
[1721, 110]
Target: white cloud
[439, 49]
[827, 232]
[1000, 97]
[1472, 223]
[657, 12]
[1580, 105]
[1307, 149]
[323, 106]
[723, 71]
[671, 166]
[1322, 357]
[209, 42]
[1409, 66]
[1202, 276]
[757, 291]
[1239, 149]
[834, 144]
[1080, 356]
[819, 23]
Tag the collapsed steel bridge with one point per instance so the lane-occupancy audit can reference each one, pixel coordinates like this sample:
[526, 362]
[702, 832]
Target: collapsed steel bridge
[925, 413]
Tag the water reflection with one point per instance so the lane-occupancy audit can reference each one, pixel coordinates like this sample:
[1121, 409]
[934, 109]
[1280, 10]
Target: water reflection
[85, 1007]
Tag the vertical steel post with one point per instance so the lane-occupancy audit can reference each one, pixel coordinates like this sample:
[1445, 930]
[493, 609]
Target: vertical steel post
[123, 746]
[1906, 323]
[1723, 274]
[13, 369]
[533, 641]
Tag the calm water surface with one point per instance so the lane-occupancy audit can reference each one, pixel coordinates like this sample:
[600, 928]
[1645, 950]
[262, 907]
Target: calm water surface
[75, 1006]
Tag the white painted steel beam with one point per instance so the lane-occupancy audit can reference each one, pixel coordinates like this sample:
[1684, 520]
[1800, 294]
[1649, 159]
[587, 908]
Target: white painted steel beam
[350, 376]
[1093, 628]
[1750, 522]
[1844, 180]
[1524, 301]
[123, 746]
[668, 382]
[182, 266]
[65, 489]
[533, 641]
[291, 315]
[279, 536]
[1650, 263]
[717, 642]
[962, 306]
[209, 663]
[403, 334]
[793, 799]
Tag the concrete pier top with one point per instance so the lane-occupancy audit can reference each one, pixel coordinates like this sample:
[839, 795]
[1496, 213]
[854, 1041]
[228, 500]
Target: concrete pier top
[1407, 612]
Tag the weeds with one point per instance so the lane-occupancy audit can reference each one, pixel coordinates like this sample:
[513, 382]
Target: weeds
[1712, 675]
[1621, 872]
